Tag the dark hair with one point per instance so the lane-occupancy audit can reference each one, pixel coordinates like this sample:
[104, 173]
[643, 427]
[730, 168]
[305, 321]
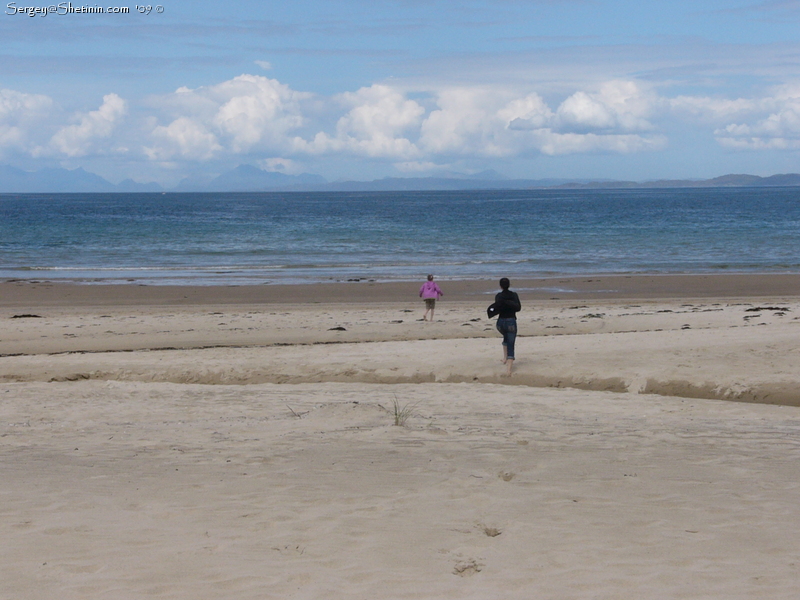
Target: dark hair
[430, 277]
[505, 283]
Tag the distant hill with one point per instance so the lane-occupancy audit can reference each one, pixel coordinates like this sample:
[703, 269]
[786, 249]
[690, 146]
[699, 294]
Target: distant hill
[788, 179]
[474, 183]
[244, 178]
[56, 181]
[129, 185]
[247, 178]
[13, 180]
[407, 184]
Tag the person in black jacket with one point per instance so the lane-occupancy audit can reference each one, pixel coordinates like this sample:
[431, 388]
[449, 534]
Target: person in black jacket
[507, 305]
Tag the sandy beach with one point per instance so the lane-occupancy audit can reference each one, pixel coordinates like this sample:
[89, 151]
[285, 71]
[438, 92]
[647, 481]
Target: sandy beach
[322, 441]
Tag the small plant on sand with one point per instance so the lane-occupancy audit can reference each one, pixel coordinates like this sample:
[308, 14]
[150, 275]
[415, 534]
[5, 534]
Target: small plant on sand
[401, 413]
[299, 415]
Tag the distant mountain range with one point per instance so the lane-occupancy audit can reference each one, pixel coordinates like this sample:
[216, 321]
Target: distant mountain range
[788, 179]
[247, 178]
[53, 181]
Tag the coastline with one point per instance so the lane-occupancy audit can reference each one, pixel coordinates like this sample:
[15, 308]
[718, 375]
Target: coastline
[33, 293]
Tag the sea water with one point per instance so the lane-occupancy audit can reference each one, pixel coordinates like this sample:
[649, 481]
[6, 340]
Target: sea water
[256, 238]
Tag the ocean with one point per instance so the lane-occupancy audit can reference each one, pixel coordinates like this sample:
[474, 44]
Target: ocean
[258, 238]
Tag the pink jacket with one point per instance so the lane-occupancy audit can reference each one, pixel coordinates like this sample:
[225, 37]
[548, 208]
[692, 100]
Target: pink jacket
[429, 289]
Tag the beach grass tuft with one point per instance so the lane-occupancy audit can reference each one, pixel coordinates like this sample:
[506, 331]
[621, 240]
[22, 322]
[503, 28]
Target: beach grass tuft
[401, 413]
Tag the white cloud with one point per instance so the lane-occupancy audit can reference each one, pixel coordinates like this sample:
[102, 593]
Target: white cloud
[92, 128]
[488, 122]
[711, 109]
[414, 166]
[375, 126]
[245, 114]
[268, 123]
[378, 111]
[257, 111]
[530, 112]
[281, 165]
[778, 129]
[582, 112]
[21, 117]
[469, 121]
[554, 143]
[182, 138]
[617, 106]
[756, 143]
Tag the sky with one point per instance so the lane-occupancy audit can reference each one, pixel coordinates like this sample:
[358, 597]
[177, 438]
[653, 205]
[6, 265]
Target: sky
[579, 89]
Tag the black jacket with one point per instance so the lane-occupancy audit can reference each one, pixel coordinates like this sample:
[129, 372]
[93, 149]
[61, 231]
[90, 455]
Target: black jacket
[507, 304]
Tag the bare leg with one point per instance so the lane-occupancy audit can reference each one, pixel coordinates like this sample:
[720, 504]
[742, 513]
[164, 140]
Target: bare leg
[509, 363]
[505, 354]
[432, 314]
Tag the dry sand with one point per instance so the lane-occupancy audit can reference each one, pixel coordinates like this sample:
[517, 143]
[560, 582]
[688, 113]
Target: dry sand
[212, 443]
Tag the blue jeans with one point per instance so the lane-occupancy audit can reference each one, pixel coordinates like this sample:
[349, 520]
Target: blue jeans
[508, 327]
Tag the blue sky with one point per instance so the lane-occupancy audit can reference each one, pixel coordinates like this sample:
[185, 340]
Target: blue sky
[361, 90]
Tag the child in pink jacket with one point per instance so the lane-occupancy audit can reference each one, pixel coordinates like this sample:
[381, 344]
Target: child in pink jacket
[430, 292]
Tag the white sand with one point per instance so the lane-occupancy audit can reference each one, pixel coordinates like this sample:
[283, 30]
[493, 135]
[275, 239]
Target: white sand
[269, 467]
